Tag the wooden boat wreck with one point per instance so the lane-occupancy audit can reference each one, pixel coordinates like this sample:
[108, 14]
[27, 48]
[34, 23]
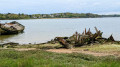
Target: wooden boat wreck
[11, 28]
[87, 37]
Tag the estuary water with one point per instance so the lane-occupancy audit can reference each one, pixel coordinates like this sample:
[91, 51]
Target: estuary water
[43, 30]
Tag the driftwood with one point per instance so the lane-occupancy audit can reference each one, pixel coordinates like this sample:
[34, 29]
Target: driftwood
[63, 42]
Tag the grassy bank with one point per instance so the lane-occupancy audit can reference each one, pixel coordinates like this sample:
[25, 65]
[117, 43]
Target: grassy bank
[40, 58]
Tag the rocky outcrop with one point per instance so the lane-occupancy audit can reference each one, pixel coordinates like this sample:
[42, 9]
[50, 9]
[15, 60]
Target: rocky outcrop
[11, 28]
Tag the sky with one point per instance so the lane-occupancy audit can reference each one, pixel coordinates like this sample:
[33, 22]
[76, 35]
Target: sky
[60, 6]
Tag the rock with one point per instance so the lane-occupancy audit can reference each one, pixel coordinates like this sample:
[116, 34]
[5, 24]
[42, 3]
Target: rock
[11, 43]
[11, 28]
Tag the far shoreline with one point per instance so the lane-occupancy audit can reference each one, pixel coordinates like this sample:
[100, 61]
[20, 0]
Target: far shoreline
[59, 18]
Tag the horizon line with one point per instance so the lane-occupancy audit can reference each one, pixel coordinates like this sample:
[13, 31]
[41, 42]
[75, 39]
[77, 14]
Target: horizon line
[62, 12]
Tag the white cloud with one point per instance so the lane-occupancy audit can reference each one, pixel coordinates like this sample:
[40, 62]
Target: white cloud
[51, 6]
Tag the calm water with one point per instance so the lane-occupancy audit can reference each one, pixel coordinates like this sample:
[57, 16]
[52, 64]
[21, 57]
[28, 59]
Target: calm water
[43, 30]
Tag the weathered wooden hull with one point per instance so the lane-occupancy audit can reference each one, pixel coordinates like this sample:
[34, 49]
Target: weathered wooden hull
[87, 37]
[11, 28]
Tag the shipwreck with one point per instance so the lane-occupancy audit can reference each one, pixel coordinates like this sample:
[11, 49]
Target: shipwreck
[11, 28]
[85, 38]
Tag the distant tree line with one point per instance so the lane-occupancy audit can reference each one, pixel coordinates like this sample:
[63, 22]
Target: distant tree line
[55, 15]
[115, 15]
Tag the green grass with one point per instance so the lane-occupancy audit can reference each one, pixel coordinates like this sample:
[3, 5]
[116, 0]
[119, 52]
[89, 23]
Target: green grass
[102, 48]
[39, 46]
[40, 58]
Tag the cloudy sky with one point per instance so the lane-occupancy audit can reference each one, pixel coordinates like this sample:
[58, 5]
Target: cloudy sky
[58, 6]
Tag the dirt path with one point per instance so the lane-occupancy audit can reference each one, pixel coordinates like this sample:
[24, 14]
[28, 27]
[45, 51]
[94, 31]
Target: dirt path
[73, 51]
[81, 51]
[25, 49]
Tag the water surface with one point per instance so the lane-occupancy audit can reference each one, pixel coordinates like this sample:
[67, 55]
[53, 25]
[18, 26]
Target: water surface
[43, 30]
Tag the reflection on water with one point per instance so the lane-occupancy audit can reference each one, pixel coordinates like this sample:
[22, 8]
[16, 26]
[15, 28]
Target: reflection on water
[5, 38]
[42, 30]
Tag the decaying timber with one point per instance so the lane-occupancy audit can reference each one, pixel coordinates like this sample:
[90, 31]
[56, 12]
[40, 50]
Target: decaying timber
[87, 37]
[64, 42]
[111, 38]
